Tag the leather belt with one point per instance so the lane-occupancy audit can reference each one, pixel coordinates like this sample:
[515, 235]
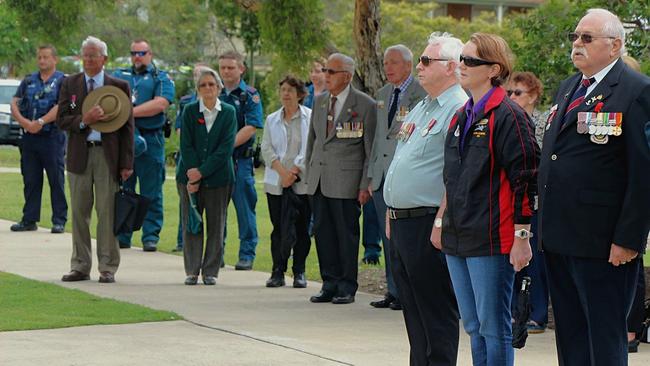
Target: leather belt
[93, 143]
[406, 213]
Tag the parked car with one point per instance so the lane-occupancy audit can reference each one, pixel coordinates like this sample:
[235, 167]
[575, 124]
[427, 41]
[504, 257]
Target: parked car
[10, 131]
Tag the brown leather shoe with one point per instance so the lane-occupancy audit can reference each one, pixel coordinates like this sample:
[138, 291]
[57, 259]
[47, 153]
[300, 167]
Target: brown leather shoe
[75, 276]
[106, 277]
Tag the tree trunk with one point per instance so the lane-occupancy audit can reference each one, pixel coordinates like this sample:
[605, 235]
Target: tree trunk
[370, 70]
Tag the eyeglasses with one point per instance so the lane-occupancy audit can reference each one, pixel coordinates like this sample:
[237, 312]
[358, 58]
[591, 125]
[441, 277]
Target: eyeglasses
[516, 92]
[331, 71]
[139, 53]
[204, 85]
[91, 57]
[584, 37]
[426, 60]
[474, 62]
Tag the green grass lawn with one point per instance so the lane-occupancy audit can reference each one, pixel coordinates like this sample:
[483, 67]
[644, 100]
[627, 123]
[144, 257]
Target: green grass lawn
[28, 304]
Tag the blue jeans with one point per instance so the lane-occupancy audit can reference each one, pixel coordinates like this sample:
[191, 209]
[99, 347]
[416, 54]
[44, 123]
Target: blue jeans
[149, 171]
[244, 198]
[483, 287]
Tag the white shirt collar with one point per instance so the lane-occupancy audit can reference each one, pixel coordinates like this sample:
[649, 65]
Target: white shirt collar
[600, 75]
[343, 95]
[203, 108]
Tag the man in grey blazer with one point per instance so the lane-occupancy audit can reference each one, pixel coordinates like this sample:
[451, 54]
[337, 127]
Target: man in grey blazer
[394, 101]
[338, 151]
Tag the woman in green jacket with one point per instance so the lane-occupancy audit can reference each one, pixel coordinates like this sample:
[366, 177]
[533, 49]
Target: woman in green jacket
[205, 171]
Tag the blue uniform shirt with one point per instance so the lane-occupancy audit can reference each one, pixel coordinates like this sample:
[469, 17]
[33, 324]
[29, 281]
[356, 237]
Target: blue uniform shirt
[309, 99]
[144, 87]
[37, 97]
[248, 98]
[185, 100]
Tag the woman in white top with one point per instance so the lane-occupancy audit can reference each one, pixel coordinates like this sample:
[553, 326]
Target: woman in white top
[283, 150]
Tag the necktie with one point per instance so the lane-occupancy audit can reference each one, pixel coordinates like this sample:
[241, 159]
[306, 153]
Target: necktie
[393, 106]
[579, 95]
[330, 116]
[91, 85]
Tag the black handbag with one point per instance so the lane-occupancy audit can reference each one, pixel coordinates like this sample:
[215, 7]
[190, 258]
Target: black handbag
[130, 210]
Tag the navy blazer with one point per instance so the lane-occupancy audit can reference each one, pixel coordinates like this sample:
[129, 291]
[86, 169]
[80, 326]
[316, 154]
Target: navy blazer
[593, 195]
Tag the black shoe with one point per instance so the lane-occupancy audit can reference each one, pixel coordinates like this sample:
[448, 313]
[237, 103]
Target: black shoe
[191, 280]
[149, 246]
[24, 226]
[323, 296]
[346, 299]
[633, 346]
[57, 229]
[106, 277]
[244, 265]
[276, 280]
[209, 280]
[371, 260]
[383, 303]
[395, 305]
[125, 245]
[74, 276]
[299, 280]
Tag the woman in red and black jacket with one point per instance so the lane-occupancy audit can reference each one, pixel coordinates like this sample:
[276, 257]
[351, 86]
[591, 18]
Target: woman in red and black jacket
[490, 169]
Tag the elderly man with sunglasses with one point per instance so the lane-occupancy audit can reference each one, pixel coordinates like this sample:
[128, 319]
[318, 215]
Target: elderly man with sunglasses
[151, 93]
[593, 184]
[413, 191]
[340, 139]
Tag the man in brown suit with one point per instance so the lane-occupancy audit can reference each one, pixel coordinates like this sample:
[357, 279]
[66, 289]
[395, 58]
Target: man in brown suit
[95, 162]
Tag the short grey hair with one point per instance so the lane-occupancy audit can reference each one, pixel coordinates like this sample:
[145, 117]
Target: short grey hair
[208, 71]
[407, 55]
[348, 62]
[612, 25]
[450, 47]
[94, 41]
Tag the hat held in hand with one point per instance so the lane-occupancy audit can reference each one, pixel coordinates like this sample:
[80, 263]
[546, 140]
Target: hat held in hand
[115, 104]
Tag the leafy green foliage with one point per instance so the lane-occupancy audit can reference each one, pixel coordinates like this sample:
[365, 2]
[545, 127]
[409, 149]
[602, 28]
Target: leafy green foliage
[16, 47]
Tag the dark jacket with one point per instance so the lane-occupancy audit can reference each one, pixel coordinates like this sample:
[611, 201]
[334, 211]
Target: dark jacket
[491, 187]
[210, 152]
[593, 195]
[117, 145]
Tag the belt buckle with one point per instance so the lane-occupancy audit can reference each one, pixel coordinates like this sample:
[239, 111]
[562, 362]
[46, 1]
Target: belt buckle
[392, 214]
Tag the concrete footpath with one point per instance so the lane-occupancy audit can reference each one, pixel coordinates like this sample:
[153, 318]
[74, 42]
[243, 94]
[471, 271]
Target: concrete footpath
[236, 322]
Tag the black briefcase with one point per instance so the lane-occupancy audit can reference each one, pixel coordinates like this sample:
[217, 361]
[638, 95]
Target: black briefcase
[130, 210]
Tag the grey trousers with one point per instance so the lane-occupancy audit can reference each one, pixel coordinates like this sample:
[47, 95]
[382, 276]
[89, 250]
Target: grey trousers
[94, 185]
[214, 201]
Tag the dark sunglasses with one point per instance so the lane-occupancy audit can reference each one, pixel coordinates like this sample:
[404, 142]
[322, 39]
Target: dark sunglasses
[516, 92]
[426, 60]
[584, 37]
[331, 71]
[474, 62]
[139, 53]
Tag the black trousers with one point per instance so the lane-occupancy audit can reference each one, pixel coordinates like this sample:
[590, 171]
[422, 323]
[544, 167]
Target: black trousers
[283, 242]
[425, 290]
[591, 299]
[637, 313]
[336, 228]
[38, 153]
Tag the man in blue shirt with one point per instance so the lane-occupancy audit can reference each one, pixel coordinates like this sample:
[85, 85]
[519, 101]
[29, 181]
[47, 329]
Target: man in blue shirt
[248, 104]
[34, 106]
[151, 93]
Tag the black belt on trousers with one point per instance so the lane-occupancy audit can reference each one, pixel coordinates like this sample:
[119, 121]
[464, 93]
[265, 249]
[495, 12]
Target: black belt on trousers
[406, 213]
[93, 143]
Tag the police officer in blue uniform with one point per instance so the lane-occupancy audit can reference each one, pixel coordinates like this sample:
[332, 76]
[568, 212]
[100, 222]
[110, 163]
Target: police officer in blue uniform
[248, 105]
[34, 106]
[152, 92]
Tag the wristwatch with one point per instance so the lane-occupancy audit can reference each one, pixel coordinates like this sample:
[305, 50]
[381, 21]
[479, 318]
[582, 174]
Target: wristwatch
[40, 121]
[437, 223]
[82, 125]
[523, 234]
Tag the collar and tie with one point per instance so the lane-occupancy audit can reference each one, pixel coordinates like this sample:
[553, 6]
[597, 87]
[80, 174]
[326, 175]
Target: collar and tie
[91, 85]
[578, 96]
[330, 116]
[393, 106]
